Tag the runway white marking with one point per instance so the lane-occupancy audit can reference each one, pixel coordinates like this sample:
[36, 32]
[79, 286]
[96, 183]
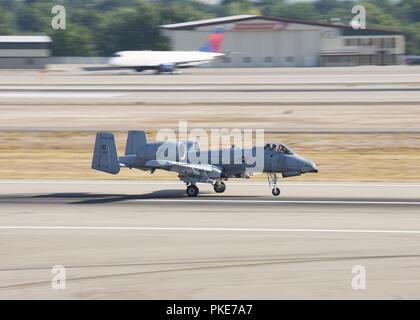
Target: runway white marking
[279, 201]
[214, 229]
[58, 95]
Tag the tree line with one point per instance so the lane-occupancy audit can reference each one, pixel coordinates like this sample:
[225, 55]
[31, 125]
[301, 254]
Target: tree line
[102, 27]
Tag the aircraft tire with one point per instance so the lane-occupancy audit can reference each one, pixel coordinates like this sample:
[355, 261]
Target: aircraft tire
[219, 187]
[192, 190]
[275, 192]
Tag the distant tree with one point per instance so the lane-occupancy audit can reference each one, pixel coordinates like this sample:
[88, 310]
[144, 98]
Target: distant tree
[101, 27]
[377, 17]
[7, 22]
[174, 13]
[237, 7]
[34, 17]
[294, 11]
[134, 28]
[410, 10]
[413, 38]
[73, 41]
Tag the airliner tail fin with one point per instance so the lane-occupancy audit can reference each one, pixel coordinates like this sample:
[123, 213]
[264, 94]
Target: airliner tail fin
[214, 41]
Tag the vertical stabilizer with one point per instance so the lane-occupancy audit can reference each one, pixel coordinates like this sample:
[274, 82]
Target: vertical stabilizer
[135, 140]
[214, 41]
[105, 157]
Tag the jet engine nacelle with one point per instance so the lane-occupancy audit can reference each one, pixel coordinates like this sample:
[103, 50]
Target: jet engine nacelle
[168, 150]
[166, 67]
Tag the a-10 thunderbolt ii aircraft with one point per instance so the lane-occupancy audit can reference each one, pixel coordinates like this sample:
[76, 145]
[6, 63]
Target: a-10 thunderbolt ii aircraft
[139, 154]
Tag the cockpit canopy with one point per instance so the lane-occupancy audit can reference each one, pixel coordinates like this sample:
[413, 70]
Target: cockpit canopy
[279, 148]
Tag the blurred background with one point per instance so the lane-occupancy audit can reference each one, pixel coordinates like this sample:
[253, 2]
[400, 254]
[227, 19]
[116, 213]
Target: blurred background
[98, 28]
[341, 96]
[346, 98]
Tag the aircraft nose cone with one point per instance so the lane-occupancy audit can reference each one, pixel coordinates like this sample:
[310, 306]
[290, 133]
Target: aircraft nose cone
[309, 166]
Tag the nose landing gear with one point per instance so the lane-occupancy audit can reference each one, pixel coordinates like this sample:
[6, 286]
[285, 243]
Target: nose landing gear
[275, 192]
[272, 181]
[219, 187]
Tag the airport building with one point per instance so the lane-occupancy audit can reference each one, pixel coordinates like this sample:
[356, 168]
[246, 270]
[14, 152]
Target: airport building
[24, 52]
[259, 41]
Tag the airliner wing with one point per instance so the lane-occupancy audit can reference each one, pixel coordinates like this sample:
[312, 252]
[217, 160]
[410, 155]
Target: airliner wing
[188, 64]
[104, 68]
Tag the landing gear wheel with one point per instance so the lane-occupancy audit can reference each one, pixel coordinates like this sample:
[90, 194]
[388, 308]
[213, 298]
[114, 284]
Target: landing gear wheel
[219, 187]
[275, 192]
[192, 190]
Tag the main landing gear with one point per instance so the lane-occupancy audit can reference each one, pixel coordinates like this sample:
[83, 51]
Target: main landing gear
[272, 181]
[192, 190]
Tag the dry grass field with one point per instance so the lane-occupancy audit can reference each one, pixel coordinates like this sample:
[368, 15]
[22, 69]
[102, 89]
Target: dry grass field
[340, 157]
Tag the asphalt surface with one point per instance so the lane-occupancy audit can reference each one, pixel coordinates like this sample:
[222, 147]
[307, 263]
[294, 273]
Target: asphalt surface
[146, 239]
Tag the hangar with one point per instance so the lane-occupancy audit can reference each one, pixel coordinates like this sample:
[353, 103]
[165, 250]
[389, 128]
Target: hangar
[260, 41]
[24, 52]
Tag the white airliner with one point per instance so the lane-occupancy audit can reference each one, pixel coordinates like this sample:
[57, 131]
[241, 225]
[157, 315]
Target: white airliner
[165, 61]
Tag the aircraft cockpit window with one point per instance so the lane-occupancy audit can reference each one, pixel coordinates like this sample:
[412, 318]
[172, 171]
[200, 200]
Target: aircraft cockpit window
[116, 55]
[284, 149]
[270, 146]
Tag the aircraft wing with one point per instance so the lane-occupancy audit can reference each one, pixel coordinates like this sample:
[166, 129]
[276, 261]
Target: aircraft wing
[182, 167]
[104, 68]
[187, 64]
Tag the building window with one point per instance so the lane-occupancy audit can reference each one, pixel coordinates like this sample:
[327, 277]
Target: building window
[268, 59]
[29, 62]
[365, 42]
[24, 45]
[247, 59]
[226, 59]
[355, 42]
[389, 43]
[289, 59]
[394, 43]
[334, 59]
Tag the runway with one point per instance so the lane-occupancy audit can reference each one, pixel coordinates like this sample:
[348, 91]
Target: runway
[359, 85]
[146, 239]
[300, 100]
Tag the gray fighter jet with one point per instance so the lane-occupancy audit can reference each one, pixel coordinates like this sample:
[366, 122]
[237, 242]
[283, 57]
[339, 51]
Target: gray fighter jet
[139, 154]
